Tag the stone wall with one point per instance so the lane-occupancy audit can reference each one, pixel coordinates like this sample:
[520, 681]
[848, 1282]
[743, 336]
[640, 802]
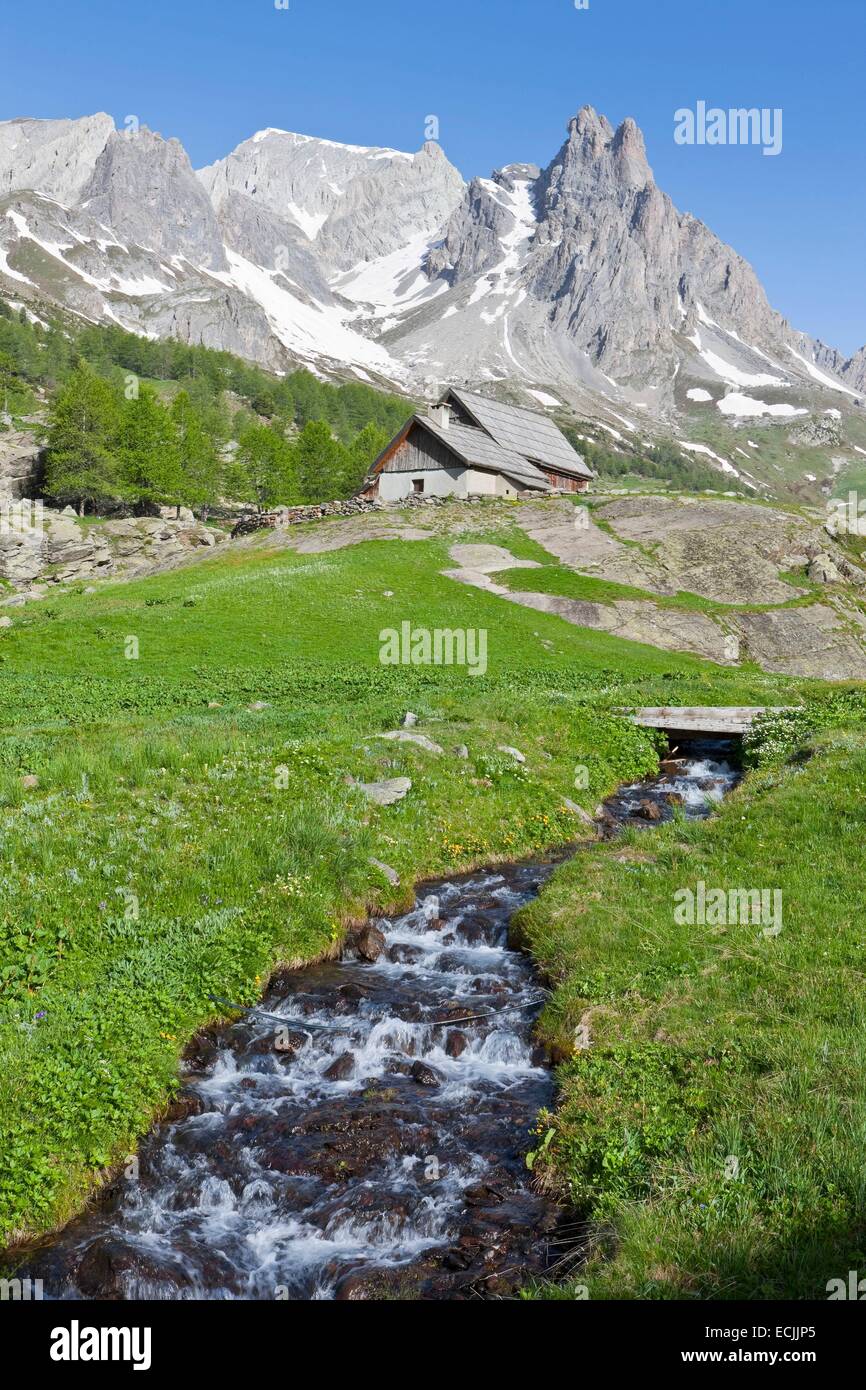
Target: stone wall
[294, 516]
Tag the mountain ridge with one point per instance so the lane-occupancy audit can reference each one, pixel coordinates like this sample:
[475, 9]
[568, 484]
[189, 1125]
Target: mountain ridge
[580, 278]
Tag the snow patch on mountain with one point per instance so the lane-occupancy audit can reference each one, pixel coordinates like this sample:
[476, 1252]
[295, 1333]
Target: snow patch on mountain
[395, 281]
[742, 406]
[821, 376]
[308, 330]
[724, 464]
[734, 376]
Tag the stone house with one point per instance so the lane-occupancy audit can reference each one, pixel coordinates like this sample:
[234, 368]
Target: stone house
[469, 446]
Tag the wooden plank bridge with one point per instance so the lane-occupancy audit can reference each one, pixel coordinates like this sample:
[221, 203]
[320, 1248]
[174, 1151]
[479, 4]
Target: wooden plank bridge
[730, 720]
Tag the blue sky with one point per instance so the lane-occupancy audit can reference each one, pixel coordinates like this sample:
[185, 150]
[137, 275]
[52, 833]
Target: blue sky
[503, 77]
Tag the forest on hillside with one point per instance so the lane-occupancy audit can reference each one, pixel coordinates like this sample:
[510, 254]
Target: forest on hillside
[129, 422]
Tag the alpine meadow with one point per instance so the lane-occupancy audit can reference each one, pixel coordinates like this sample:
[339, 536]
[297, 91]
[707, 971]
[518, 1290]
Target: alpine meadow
[432, 674]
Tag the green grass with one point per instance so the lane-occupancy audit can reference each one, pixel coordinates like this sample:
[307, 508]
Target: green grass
[711, 1135]
[180, 844]
[567, 583]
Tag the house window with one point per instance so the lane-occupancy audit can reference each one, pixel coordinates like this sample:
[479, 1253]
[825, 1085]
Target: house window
[417, 484]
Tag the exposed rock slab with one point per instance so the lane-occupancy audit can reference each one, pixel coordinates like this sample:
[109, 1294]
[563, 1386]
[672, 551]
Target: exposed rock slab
[813, 641]
[671, 629]
[65, 550]
[385, 793]
[731, 552]
[571, 535]
[406, 736]
[20, 465]
[488, 559]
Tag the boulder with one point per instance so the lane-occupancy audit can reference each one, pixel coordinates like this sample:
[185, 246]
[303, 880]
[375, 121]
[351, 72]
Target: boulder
[514, 753]
[425, 1075]
[22, 555]
[391, 874]
[578, 811]
[20, 465]
[289, 1041]
[369, 943]
[822, 570]
[402, 953]
[385, 793]
[404, 736]
[342, 1068]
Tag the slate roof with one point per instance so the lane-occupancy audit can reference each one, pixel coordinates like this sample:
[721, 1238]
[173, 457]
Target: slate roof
[478, 450]
[523, 432]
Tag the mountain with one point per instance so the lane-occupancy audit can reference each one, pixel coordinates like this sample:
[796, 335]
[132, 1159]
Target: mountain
[356, 204]
[578, 285]
[56, 157]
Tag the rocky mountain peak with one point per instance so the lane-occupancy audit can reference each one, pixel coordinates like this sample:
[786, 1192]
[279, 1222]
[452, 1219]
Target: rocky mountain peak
[588, 129]
[581, 276]
[629, 154]
[355, 202]
[144, 188]
[54, 157]
[597, 160]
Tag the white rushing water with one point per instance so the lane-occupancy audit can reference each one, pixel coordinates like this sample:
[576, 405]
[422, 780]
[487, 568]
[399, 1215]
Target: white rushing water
[367, 1125]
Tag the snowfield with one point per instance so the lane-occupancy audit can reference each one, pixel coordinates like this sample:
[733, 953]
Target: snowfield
[741, 406]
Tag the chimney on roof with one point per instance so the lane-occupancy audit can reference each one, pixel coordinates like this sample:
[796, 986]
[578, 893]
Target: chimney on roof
[441, 416]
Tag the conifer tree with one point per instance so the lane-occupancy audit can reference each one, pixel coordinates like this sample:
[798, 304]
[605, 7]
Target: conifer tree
[148, 451]
[323, 463]
[265, 468]
[199, 460]
[81, 454]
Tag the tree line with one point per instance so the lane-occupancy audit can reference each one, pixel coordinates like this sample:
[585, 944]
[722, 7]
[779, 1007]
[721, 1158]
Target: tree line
[137, 422]
[662, 462]
[107, 447]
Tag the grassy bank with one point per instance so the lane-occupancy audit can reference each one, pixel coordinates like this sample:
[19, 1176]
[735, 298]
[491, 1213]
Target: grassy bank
[178, 842]
[195, 819]
[713, 1116]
